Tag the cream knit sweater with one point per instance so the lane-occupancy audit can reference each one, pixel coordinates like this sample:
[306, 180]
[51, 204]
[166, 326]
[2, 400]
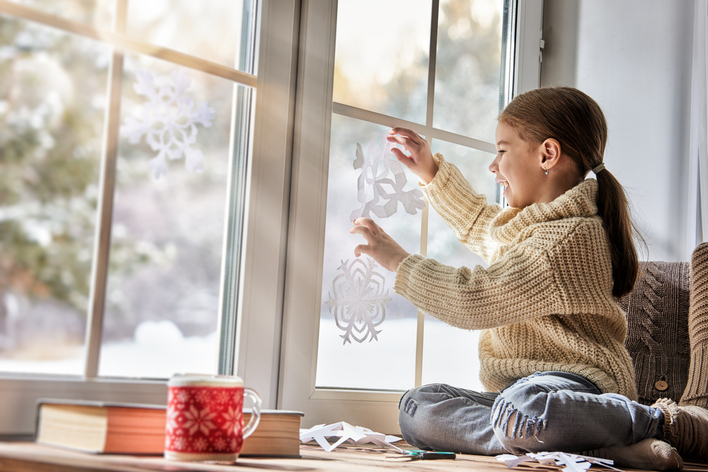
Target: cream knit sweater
[545, 301]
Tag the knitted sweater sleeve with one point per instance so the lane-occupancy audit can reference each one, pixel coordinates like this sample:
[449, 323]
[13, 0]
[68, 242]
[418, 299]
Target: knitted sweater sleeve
[465, 211]
[519, 286]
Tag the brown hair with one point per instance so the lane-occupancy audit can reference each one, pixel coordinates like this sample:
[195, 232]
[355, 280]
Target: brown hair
[577, 122]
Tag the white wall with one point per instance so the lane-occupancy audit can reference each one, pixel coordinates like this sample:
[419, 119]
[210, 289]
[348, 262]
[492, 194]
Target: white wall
[634, 58]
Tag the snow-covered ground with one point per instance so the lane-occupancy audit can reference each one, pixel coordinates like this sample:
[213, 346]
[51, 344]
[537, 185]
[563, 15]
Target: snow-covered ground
[158, 350]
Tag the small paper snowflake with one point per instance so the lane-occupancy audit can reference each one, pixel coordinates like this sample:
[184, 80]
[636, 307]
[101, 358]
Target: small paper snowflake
[358, 300]
[169, 121]
[381, 182]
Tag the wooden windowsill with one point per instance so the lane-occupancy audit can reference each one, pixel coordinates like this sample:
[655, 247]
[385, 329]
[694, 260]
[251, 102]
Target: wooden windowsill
[31, 457]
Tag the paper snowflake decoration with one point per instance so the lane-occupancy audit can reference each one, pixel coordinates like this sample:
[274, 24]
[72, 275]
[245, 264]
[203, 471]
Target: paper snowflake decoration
[359, 300]
[169, 121]
[556, 461]
[381, 182]
[342, 432]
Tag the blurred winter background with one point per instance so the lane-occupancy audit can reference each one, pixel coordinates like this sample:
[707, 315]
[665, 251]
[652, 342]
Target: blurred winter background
[165, 257]
[167, 234]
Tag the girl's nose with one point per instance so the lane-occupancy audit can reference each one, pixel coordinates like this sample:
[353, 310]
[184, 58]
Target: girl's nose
[494, 166]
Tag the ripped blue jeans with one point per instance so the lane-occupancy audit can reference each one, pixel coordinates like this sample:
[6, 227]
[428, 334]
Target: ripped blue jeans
[547, 411]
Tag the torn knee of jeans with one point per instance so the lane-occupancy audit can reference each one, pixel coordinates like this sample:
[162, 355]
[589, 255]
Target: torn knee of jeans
[514, 425]
[410, 406]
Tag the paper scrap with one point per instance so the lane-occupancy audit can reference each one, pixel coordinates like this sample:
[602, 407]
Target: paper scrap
[561, 460]
[345, 432]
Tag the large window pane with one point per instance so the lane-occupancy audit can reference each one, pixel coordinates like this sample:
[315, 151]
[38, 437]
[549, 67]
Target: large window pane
[207, 29]
[52, 106]
[468, 67]
[443, 342]
[382, 56]
[351, 296]
[168, 222]
[98, 13]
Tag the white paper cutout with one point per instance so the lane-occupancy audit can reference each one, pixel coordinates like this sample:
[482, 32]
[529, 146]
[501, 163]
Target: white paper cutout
[561, 460]
[358, 300]
[168, 119]
[381, 182]
[345, 432]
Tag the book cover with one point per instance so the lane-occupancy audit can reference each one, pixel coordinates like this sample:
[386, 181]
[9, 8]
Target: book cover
[101, 427]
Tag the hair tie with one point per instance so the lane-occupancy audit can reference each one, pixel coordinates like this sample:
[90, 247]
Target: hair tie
[599, 168]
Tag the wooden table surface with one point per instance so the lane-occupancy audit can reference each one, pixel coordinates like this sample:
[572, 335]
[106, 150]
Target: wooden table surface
[31, 457]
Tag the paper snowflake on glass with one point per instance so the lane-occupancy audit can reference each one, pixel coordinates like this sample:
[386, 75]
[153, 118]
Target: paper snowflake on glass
[169, 121]
[381, 182]
[358, 300]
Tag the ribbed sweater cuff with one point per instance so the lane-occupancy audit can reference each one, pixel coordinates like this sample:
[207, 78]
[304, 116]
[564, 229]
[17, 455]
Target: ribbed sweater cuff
[447, 176]
[404, 275]
[696, 392]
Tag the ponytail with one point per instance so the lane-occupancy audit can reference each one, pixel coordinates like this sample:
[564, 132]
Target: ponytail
[613, 208]
[577, 122]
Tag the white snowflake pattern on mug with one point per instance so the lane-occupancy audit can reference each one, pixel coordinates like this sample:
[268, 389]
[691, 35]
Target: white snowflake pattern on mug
[183, 396]
[203, 395]
[180, 443]
[172, 423]
[200, 444]
[199, 420]
[232, 419]
[222, 396]
[220, 443]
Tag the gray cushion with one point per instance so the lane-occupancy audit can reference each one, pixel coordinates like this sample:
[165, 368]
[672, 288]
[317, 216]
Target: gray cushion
[657, 338]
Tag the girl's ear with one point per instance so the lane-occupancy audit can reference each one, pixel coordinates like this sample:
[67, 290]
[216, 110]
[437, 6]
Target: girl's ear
[550, 153]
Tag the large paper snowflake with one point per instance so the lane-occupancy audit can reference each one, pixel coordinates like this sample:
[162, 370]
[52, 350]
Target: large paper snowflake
[169, 121]
[358, 300]
[381, 182]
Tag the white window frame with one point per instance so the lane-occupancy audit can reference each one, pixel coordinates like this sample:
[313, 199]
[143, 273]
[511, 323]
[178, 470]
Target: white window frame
[255, 287]
[297, 389]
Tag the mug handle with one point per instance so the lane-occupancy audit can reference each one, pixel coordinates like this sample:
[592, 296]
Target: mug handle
[255, 412]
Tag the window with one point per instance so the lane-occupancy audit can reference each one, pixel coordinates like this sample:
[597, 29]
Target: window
[127, 128]
[442, 68]
[108, 246]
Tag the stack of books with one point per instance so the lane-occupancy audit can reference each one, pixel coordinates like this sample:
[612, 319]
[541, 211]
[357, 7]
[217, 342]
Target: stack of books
[130, 428]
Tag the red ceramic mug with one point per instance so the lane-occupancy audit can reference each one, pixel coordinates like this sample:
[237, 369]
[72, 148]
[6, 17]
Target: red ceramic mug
[205, 417]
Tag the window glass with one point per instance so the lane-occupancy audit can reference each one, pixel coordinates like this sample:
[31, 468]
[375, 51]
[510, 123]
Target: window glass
[468, 67]
[98, 13]
[209, 30]
[382, 56]
[162, 300]
[450, 355]
[52, 106]
[363, 323]
[389, 75]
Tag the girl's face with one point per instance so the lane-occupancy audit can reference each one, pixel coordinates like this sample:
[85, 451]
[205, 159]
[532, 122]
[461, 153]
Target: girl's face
[518, 168]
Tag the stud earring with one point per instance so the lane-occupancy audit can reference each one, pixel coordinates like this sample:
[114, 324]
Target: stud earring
[545, 171]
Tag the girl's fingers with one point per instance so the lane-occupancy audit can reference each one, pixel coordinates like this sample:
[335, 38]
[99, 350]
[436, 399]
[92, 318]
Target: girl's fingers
[361, 249]
[365, 227]
[408, 133]
[403, 141]
[367, 223]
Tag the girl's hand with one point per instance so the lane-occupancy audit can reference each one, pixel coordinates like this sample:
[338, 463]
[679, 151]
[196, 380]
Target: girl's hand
[421, 161]
[380, 245]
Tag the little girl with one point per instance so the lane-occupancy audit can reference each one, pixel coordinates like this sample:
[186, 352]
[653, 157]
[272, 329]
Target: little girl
[552, 351]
